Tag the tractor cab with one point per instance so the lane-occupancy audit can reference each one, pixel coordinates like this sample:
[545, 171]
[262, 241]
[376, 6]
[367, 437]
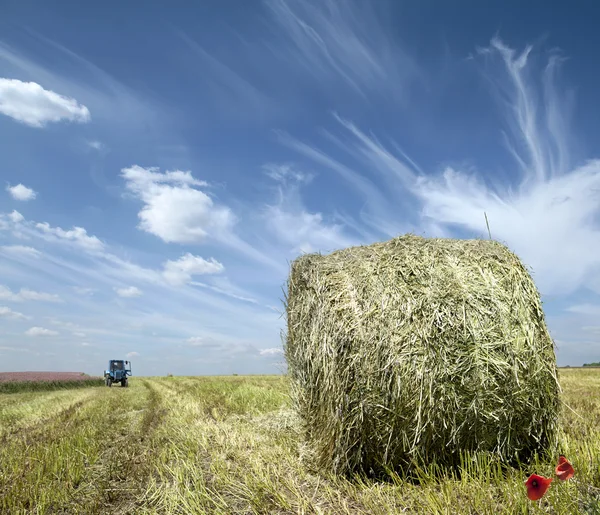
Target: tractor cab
[117, 372]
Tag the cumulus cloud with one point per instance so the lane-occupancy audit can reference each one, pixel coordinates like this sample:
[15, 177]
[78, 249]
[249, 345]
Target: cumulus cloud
[132, 354]
[128, 292]
[15, 217]
[195, 340]
[175, 209]
[96, 145]
[9, 313]
[21, 192]
[40, 331]
[31, 104]
[181, 271]
[25, 294]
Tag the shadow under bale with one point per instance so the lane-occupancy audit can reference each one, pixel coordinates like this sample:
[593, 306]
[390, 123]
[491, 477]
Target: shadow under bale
[416, 350]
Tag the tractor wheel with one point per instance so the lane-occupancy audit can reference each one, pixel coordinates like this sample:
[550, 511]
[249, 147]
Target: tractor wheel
[108, 382]
[124, 383]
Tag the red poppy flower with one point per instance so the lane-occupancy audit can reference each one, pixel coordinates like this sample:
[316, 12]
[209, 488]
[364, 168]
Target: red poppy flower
[537, 486]
[564, 470]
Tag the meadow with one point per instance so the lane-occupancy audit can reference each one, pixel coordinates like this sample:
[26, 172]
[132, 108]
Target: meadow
[231, 445]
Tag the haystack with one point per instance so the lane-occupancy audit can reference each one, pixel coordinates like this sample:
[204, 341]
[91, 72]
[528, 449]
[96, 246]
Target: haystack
[415, 349]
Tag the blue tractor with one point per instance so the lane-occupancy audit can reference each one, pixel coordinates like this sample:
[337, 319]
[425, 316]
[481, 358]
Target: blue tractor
[117, 372]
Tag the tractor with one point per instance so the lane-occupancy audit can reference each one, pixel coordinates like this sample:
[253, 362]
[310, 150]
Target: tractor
[117, 372]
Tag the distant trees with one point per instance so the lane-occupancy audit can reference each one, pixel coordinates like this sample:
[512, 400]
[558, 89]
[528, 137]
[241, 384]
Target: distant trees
[595, 364]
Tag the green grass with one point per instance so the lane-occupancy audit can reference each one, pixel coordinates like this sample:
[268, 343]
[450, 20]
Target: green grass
[39, 386]
[230, 445]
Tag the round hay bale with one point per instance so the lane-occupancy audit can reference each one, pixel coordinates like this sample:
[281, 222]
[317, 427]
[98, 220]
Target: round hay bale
[419, 349]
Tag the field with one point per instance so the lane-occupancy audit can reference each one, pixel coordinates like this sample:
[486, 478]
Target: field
[13, 382]
[230, 445]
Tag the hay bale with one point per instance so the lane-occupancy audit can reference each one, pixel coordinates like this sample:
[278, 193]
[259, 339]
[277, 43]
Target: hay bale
[418, 349]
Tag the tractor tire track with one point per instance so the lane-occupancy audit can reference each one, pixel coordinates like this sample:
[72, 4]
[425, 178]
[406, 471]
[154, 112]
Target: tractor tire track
[126, 465]
[60, 422]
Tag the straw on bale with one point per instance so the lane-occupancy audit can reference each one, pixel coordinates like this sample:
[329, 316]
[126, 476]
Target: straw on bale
[418, 349]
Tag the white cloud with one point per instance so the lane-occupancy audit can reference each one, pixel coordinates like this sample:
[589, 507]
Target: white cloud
[21, 192]
[128, 292]
[96, 145]
[173, 209]
[16, 217]
[225, 287]
[21, 250]
[26, 294]
[286, 172]
[80, 290]
[31, 104]
[133, 354]
[40, 331]
[177, 211]
[181, 271]
[550, 220]
[86, 344]
[77, 235]
[195, 340]
[345, 40]
[585, 309]
[299, 229]
[306, 232]
[271, 352]
[9, 313]
[594, 329]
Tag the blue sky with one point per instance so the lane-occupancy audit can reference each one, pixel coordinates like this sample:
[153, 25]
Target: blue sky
[162, 166]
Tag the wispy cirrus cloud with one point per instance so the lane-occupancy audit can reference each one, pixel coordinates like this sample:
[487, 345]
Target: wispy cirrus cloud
[551, 220]
[20, 250]
[233, 93]
[344, 40]
[31, 104]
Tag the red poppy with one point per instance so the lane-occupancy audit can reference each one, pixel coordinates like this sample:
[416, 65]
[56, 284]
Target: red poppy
[564, 470]
[537, 486]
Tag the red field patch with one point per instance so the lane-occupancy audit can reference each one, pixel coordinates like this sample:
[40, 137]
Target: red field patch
[7, 377]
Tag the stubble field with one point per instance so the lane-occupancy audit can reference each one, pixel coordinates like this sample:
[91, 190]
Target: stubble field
[230, 445]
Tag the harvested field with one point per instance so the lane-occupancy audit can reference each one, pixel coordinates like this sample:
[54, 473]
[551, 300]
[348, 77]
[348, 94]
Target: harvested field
[231, 445]
[42, 376]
